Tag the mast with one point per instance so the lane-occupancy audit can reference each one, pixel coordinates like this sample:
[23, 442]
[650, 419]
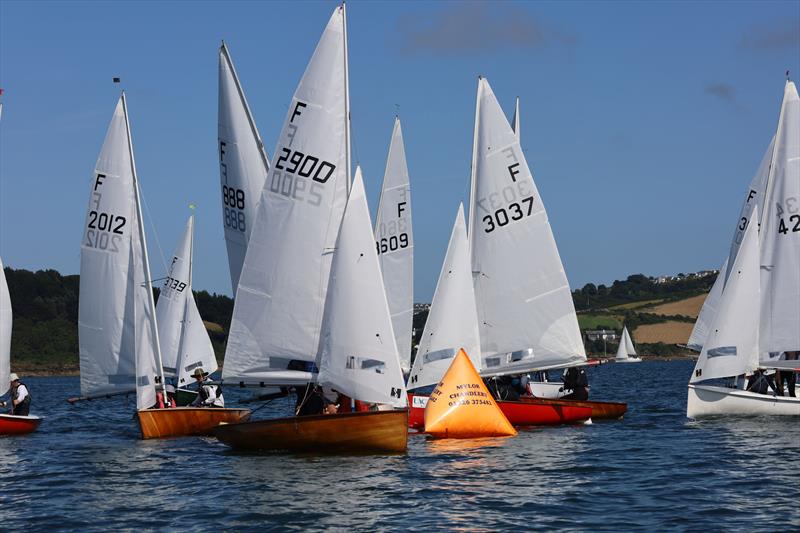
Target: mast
[346, 100]
[140, 226]
[260, 142]
[474, 169]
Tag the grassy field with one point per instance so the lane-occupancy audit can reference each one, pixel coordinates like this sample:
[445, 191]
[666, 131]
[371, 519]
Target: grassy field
[596, 321]
[666, 332]
[688, 307]
[636, 305]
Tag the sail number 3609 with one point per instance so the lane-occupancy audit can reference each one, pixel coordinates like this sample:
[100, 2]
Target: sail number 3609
[392, 244]
[515, 211]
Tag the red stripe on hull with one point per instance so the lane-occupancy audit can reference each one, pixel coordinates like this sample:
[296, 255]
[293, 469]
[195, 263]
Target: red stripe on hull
[18, 425]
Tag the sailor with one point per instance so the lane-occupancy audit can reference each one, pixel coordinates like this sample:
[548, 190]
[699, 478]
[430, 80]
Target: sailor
[208, 395]
[171, 395]
[760, 383]
[20, 397]
[787, 376]
[576, 381]
[311, 400]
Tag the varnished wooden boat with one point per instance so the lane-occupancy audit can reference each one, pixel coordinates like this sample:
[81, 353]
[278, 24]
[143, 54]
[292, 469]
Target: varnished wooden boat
[600, 410]
[518, 413]
[186, 421]
[18, 425]
[373, 431]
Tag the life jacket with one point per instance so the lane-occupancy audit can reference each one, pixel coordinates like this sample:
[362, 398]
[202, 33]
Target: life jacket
[204, 395]
[25, 404]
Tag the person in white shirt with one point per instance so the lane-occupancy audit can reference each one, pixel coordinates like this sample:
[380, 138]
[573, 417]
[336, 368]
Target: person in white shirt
[20, 397]
[207, 395]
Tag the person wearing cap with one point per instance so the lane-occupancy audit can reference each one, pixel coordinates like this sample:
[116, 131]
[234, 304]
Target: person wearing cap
[20, 397]
[207, 395]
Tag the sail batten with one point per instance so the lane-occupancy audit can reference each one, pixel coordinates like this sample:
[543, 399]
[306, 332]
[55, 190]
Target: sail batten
[394, 241]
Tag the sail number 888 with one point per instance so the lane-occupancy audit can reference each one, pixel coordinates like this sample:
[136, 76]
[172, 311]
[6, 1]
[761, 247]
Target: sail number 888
[234, 203]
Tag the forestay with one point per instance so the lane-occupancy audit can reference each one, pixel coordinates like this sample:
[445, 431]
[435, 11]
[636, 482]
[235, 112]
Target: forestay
[5, 331]
[116, 323]
[358, 354]
[185, 344]
[527, 318]
[243, 164]
[281, 294]
[780, 238]
[731, 348]
[394, 243]
[452, 321]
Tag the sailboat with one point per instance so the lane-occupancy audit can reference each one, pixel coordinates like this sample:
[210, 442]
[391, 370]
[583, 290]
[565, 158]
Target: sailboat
[311, 305]
[243, 164]
[452, 325]
[185, 344]
[9, 424]
[626, 349]
[118, 334]
[753, 197]
[757, 316]
[394, 242]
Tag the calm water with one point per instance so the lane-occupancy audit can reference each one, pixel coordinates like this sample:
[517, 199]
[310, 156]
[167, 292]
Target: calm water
[86, 468]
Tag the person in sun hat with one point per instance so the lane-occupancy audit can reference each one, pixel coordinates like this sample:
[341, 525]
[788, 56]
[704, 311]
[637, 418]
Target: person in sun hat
[20, 397]
[208, 395]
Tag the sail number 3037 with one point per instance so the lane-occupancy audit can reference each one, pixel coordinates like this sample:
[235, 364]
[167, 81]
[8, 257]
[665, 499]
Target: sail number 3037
[233, 200]
[515, 211]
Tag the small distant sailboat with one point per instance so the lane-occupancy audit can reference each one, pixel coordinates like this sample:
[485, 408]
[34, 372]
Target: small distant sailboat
[311, 305]
[626, 349]
[758, 312]
[9, 424]
[120, 351]
[394, 242]
[243, 164]
[185, 344]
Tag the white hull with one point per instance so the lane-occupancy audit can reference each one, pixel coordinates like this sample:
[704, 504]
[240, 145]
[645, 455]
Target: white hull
[705, 400]
[546, 389]
[628, 360]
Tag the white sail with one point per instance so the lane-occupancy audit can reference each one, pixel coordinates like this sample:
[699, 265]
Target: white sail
[703, 323]
[185, 344]
[116, 323]
[394, 242]
[243, 164]
[629, 347]
[780, 238]
[358, 354]
[515, 120]
[622, 349]
[731, 348]
[5, 331]
[452, 321]
[281, 295]
[525, 307]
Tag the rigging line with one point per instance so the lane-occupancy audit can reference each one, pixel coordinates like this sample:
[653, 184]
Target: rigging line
[153, 228]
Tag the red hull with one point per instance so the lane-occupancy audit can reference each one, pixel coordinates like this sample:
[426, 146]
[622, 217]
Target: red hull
[18, 425]
[600, 410]
[518, 413]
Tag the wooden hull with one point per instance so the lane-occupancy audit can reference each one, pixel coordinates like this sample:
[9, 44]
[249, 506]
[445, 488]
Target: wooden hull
[374, 431]
[185, 421]
[18, 425]
[706, 400]
[600, 410]
[522, 413]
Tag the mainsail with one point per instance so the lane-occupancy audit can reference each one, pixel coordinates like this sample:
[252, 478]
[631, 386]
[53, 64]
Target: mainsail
[731, 348]
[780, 238]
[5, 331]
[185, 344]
[243, 164]
[281, 294]
[394, 242]
[452, 321]
[358, 355]
[117, 331]
[527, 318]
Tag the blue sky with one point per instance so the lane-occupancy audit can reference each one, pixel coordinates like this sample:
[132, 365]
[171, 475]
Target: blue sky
[643, 123]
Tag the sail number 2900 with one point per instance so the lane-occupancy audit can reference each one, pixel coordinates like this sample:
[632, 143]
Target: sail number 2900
[515, 211]
[304, 165]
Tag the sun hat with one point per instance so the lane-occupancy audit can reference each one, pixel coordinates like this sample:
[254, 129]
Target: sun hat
[198, 372]
[13, 377]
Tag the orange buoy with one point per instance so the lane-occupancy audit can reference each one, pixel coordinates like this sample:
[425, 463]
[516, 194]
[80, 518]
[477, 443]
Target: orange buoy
[461, 407]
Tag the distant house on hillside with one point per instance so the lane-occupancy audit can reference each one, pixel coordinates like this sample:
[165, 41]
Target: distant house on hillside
[601, 334]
